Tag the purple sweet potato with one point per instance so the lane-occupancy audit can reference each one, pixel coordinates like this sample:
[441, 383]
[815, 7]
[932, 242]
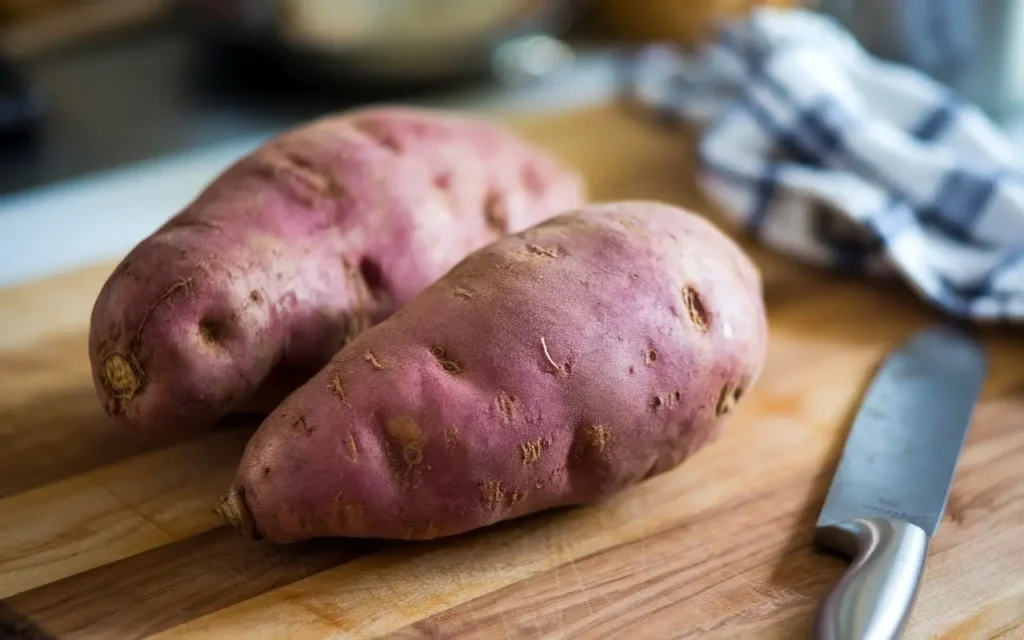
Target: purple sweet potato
[296, 249]
[551, 368]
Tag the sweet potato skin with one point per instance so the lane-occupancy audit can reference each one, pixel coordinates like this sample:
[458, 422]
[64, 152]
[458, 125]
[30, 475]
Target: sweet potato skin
[297, 248]
[553, 367]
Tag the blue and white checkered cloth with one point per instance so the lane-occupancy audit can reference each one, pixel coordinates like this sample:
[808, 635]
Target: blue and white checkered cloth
[838, 158]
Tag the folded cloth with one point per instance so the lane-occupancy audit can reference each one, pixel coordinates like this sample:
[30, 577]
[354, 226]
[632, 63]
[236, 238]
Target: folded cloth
[831, 155]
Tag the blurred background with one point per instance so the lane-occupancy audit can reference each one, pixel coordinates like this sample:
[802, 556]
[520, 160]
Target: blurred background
[92, 84]
[94, 90]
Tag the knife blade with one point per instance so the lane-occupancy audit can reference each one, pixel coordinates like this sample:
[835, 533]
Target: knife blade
[890, 488]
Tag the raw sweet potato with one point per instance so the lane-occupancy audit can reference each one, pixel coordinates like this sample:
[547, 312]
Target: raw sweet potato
[300, 246]
[551, 368]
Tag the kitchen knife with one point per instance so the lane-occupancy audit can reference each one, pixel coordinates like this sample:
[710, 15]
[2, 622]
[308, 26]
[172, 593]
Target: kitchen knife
[890, 488]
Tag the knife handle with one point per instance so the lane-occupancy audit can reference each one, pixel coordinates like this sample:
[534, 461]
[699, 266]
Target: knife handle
[874, 596]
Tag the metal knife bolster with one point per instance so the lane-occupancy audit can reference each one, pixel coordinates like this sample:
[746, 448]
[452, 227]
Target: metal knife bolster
[875, 594]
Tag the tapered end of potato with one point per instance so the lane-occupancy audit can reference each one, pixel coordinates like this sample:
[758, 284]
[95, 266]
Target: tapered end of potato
[233, 510]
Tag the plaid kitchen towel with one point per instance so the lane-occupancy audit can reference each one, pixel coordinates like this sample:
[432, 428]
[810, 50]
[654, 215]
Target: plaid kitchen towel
[838, 158]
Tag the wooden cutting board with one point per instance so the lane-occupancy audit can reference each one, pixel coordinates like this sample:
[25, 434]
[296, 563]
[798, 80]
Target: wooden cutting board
[102, 536]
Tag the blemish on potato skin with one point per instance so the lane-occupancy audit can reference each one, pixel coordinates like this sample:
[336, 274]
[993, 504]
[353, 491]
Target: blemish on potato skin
[530, 450]
[352, 512]
[452, 439]
[300, 422]
[695, 307]
[650, 357]
[447, 363]
[353, 450]
[496, 213]
[590, 441]
[462, 292]
[727, 399]
[506, 406]
[492, 494]
[372, 359]
[408, 435]
[183, 286]
[384, 139]
[338, 389]
[256, 296]
[629, 224]
[538, 250]
[314, 183]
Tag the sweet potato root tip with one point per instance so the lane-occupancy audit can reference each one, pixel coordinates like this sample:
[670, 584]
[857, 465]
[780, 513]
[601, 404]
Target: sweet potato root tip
[234, 511]
[122, 375]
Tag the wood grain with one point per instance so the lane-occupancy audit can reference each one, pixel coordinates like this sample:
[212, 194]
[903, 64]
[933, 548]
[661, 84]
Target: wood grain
[157, 589]
[105, 536]
[765, 578]
[116, 511]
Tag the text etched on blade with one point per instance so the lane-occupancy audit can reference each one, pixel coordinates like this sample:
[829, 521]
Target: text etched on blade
[895, 513]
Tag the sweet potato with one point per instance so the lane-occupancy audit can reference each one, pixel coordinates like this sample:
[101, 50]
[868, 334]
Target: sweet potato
[552, 368]
[296, 249]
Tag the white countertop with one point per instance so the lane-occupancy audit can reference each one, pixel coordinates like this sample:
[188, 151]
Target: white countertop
[100, 217]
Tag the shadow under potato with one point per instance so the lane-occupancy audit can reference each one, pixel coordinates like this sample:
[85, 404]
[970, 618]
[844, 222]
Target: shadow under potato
[65, 432]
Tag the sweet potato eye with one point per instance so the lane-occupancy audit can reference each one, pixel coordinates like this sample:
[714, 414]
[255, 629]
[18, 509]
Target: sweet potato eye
[212, 331]
[372, 274]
